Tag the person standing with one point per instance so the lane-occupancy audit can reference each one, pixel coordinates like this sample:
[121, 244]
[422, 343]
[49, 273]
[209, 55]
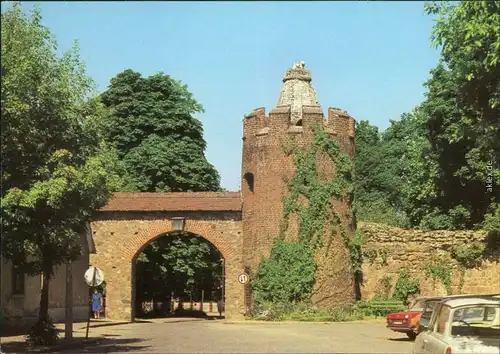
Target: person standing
[220, 307]
[96, 303]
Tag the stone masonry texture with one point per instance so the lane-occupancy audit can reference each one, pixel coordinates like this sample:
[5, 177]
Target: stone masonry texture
[412, 248]
[120, 236]
[265, 165]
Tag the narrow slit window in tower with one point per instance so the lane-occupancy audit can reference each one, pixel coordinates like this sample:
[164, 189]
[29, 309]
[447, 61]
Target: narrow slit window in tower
[250, 180]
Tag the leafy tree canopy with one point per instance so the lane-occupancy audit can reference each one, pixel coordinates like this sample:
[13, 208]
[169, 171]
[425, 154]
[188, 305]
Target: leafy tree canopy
[436, 167]
[55, 170]
[151, 124]
[463, 110]
[178, 263]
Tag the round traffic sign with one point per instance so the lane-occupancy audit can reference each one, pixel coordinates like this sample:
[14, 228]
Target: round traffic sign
[89, 276]
[243, 278]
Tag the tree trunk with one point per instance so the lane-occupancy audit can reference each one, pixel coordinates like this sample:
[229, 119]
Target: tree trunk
[155, 304]
[68, 320]
[43, 314]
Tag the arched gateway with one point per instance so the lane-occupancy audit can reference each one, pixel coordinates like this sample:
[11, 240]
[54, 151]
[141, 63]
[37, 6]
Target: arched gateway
[130, 221]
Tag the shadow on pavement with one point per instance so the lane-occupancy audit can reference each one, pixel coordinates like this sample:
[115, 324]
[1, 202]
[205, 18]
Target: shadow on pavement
[80, 345]
[107, 324]
[402, 339]
[178, 319]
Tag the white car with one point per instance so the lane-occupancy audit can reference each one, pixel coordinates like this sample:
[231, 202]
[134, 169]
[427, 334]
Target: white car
[462, 325]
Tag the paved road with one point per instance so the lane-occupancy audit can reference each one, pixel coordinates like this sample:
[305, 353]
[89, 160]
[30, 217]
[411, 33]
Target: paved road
[217, 336]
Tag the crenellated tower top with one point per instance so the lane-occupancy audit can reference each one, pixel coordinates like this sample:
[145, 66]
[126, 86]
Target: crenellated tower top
[297, 91]
[297, 110]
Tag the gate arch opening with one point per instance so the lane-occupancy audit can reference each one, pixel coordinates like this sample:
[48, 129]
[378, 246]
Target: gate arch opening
[120, 238]
[178, 273]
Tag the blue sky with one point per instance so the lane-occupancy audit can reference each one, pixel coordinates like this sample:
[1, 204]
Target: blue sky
[369, 58]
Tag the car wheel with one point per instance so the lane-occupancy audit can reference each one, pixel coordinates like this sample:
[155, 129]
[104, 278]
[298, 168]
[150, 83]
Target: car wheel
[411, 335]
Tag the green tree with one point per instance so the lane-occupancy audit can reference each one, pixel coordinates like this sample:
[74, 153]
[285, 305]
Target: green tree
[151, 124]
[463, 109]
[392, 171]
[371, 179]
[55, 171]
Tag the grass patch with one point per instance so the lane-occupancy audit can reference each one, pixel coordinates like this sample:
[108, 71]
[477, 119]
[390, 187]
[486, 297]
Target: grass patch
[305, 312]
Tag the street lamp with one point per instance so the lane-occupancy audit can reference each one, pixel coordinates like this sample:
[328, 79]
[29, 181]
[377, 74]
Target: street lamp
[178, 224]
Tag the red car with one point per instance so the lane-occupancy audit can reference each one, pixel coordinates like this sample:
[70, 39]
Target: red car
[408, 321]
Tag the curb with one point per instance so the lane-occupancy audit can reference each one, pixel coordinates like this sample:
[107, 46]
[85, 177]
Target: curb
[257, 322]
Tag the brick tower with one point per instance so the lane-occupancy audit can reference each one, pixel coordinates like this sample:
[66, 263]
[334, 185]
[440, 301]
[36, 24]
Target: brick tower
[265, 164]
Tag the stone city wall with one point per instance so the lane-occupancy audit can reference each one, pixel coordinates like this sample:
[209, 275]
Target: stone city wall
[399, 248]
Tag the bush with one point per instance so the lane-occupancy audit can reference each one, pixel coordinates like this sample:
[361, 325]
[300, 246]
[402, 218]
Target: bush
[469, 255]
[43, 332]
[287, 276]
[406, 285]
[492, 220]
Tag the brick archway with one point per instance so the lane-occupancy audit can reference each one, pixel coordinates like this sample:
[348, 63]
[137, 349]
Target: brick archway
[137, 244]
[120, 240]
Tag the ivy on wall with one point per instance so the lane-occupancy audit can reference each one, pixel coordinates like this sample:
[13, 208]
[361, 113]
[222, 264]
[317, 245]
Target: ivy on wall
[439, 268]
[310, 198]
[468, 256]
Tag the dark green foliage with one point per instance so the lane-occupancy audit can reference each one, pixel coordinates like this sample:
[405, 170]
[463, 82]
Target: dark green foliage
[406, 285]
[151, 124]
[287, 276]
[392, 171]
[492, 219]
[182, 264]
[468, 256]
[43, 332]
[463, 109]
[375, 179]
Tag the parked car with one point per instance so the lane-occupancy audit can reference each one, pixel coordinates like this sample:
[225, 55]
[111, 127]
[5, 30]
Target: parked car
[462, 325]
[432, 302]
[408, 321]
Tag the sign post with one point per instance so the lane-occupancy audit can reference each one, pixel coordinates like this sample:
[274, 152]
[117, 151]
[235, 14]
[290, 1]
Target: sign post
[94, 277]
